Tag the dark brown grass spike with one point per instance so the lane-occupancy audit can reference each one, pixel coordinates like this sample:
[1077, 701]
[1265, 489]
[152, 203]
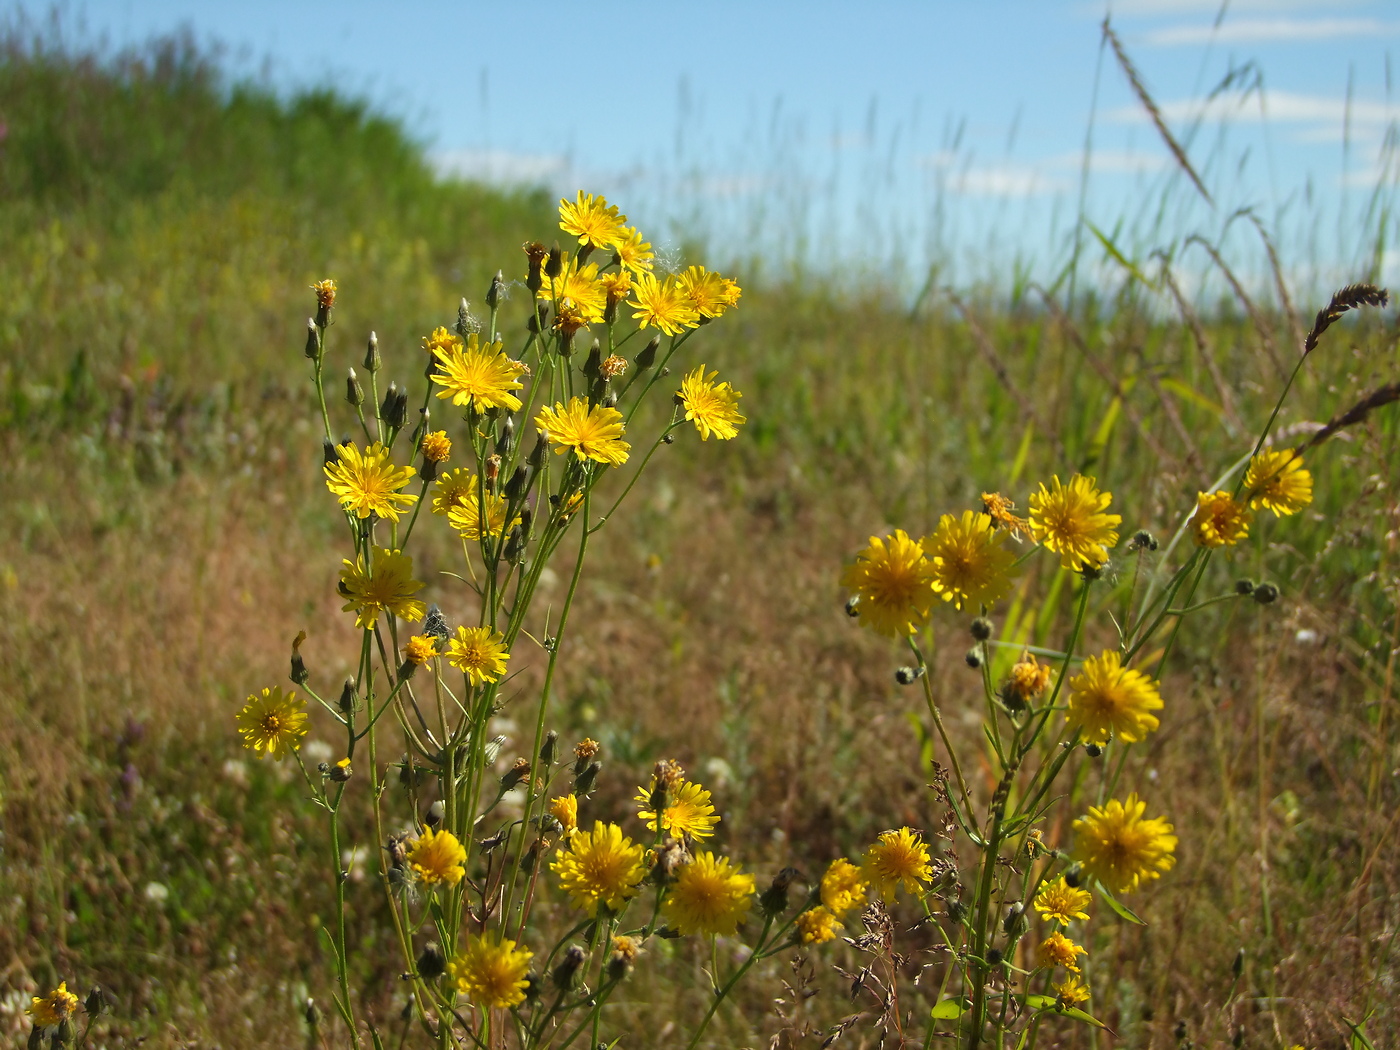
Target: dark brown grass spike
[1158, 121]
[1384, 395]
[1349, 298]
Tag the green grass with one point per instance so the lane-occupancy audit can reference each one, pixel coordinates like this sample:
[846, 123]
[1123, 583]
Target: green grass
[167, 535]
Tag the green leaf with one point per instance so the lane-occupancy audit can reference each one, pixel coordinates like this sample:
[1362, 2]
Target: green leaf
[1049, 1004]
[948, 1010]
[1119, 908]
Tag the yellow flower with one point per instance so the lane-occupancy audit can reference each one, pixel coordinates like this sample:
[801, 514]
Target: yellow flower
[466, 516]
[843, 887]
[325, 293]
[688, 813]
[491, 971]
[581, 286]
[51, 1009]
[478, 376]
[479, 653]
[1072, 991]
[999, 509]
[633, 253]
[970, 566]
[565, 810]
[663, 304]
[616, 286]
[420, 649]
[593, 433]
[1060, 902]
[592, 220]
[1107, 699]
[436, 446]
[712, 408]
[601, 866]
[453, 489]
[897, 857]
[1028, 679]
[709, 896]
[437, 857]
[1219, 521]
[442, 339]
[816, 925]
[368, 483]
[1059, 950]
[1277, 481]
[1121, 848]
[388, 586]
[708, 292]
[273, 723]
[1070, 521]
[893, 584]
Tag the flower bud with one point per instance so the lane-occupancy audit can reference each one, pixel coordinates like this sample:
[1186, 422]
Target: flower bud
[774, 900]
[515, 774]
[1265, 594]
[1013, 917]
[431, 964]
[567, 968]
[535, 252]
[584, 782]
[313, 340]
[908, 675]
[328, 453]
[312, 1013]
[518, 484]
[390, 396]
[853, 606]
[1237, 967]
[515, 545]
[372, 361]
[1074, 875]
[353, 393]
[464, 319]
[554, 264]
[506, 440]
[539, 454]
[432, 816]
[1142, 540]
[299, 673]
[497, 290]
[1093, 750]
[347, 696]
[341, 771]
[647, 357]
[96, 1001]
[1244, 587]
[973, 657]
[956, 911]
[549, 750]
[539, 320]
[981, 628]
[994, 956]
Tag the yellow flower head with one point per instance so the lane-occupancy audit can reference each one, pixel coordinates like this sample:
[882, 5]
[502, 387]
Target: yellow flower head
[565, 810]
[633, 253]
[713, 408]
[1107, 699]
[1121, 848]
[325, 293]
[1028, 679]
[709, 896]
[1277, 481]
[688, 813]
[1060, 902]
[843, 887]
[593, 433]
[708, 292]
[51, 1009]
[442, 339]
[1072, 991]
[816, 925]
[368, 483]
[466, 516]
[491, 971]
[436, 446]
[970, 566]
[592, 220]
[479, 653]
[1070, 521]
[893, 582]
[388, 586]
[569, 317]
[897, 857]
[1059, 950]
[273, 723]
[437, 857]
[601, 866]
[663, 304]
[478, 376]
[616, 286]
[453, 488]
[581, 286]
[1219, 520]
[419, 649]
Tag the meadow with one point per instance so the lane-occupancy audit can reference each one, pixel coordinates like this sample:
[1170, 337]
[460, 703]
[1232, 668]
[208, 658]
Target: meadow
[167, 533]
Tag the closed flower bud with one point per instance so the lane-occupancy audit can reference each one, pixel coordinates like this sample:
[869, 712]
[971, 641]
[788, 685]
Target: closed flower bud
[353, 393]
[1074, 876]
[562, 977]
[981, 628]
[328, 453]
[539, 454]
[549, 750]
[431, 963]
[347, 696]
[535, 252]
[1013, 917]
[647, 357]
[1142, 540]
[774, 900]
[973, 657]
[908, 675]
[398, 412]
[96, 1001]
[299, 672]
[313, 340]
[312, 1013]
[372, 361]
[518, 484]
[584, 782]
[1237, 967]
[593, 367]
[853, 606]
[1265, 594]
[497, 290]
[994, 956]
[36, 1038]
[506, 440]
[1093, 750]
[464, 319]
[390, 396]
[956, 911]
[515, 774]
[1244, 587]
[341, 771]
[539, 320]
[433, 815]
[554, 264]
[515, 545]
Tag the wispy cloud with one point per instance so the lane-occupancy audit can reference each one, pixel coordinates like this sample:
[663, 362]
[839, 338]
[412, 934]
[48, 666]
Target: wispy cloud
[501, 166]
[1046, 176]
[1274, 106]
[1268, 31]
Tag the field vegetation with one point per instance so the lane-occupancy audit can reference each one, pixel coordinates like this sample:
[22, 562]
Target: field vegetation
[166, 533]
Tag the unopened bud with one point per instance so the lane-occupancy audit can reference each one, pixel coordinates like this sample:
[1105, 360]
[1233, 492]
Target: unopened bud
[347, 696]
[515, 774]
[1237, 967]
[433, 815]
[390, 396]
[539, 320]
[973, 657]
[957, 912]
[539, 454]
[515, 545]
[1074, 875]
[372, 361]
[1244, 587]
[567, 968]
[1093, 750]
[549, 750]
[299, 672]
[908, 675]
[353, 393]
[313, 340]
[583, 783]
[496, 291]
[312, 1013]
[505, 441]
[518, 484]
[464, 319]
[96, 1001]
[1265, 594]
[431, 963]
[1013, 917]
[981, 628]
[774, 900]
[328, 452]
[1142, 541]
[853, 606]
[647, 357]
[994, 956]
[554, 265]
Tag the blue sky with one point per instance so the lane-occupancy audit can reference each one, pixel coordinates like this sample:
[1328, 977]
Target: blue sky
[886, 135]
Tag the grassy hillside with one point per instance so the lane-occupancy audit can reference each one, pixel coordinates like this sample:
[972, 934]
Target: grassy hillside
[166, 532]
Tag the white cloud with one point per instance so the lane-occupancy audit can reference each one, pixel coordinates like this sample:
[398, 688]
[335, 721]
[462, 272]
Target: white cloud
[1268, 30]
[1047, 175]
[501, 166]
[1006, 180]
[1273, 106]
